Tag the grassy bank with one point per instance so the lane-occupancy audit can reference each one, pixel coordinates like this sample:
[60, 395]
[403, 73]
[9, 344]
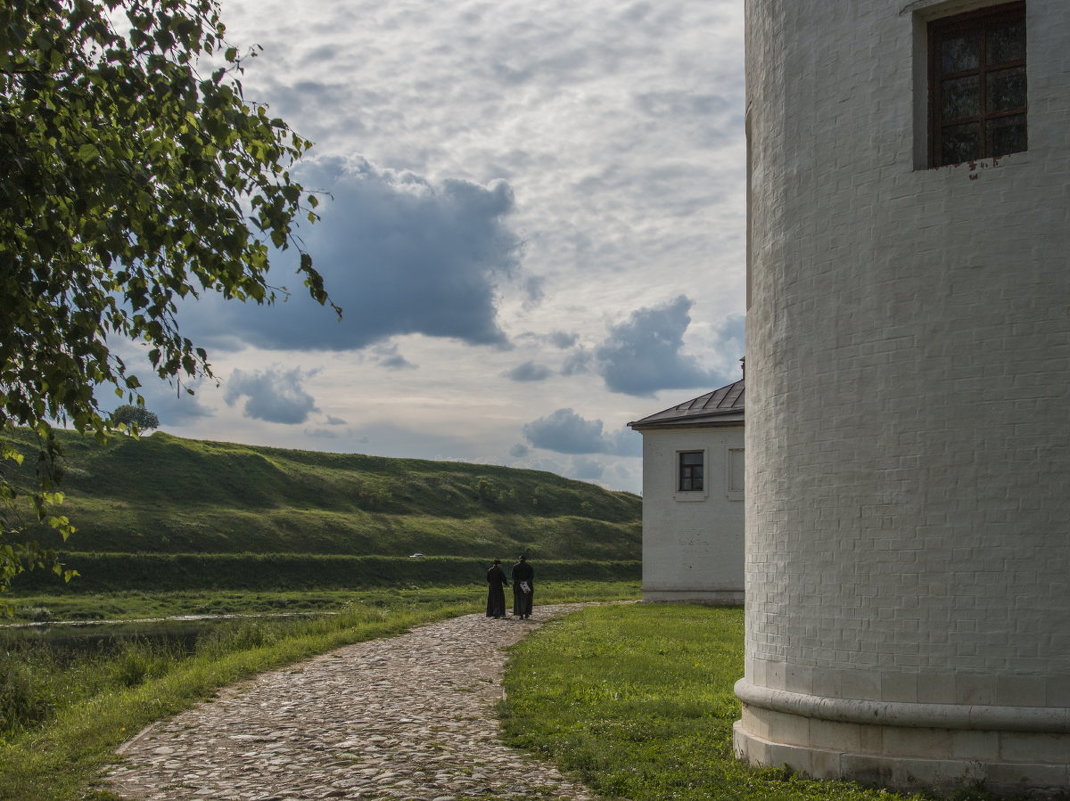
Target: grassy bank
[638, 700]
[119, 572]
[168, 495]
[61, 719]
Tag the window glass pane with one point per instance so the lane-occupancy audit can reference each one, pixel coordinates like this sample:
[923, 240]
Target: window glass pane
[1006, 42]
[960, 52]
[1006, 135]
[691, 458]
[1006, 89]
[960, 143]
[962, 98]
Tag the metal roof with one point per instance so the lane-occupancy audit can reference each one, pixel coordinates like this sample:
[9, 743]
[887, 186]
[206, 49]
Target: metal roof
[722, 407]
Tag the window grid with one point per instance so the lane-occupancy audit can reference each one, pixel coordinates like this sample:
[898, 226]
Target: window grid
[977, 85]
[691, 472]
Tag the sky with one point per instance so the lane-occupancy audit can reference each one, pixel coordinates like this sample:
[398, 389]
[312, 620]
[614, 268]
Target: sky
[533, 217]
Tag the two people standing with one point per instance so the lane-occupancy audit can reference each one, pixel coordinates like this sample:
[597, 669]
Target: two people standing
[523, 589]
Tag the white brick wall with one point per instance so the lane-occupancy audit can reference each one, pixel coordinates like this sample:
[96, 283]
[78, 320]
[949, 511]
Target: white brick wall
[692, 541]
[908, 386]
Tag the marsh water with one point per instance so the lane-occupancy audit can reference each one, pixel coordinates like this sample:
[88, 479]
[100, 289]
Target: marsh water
[73, 638]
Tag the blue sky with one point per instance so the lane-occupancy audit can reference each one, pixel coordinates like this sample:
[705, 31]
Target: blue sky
[536, 230]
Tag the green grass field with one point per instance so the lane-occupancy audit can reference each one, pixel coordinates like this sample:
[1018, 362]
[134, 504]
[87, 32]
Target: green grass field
[638, 701]
[166, 495]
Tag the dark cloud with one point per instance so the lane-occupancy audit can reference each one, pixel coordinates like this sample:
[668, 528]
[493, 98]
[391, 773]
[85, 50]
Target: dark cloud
[563, 339]
[529, 371]
[519, 451]
[642, 355]
[564, 431]
[400, 255]
[272, 395]
[388, 356]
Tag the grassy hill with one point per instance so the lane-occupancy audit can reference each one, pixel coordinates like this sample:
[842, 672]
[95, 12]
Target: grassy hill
[165, 495]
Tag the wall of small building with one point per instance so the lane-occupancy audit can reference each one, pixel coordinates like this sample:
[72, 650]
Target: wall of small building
[693, 541]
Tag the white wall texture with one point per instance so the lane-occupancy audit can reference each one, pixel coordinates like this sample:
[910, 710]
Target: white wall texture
[692, 541]
[908, 413]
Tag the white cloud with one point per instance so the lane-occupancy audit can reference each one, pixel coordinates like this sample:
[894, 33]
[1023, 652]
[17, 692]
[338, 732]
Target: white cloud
[275, 396]
[564, 431]
[644, 354]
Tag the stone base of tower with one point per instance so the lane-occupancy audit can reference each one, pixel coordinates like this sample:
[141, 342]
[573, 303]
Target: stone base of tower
[1009, 750]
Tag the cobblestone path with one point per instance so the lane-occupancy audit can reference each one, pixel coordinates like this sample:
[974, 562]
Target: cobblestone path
[409, 717]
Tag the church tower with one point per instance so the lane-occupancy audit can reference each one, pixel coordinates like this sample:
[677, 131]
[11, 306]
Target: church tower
[908, 409]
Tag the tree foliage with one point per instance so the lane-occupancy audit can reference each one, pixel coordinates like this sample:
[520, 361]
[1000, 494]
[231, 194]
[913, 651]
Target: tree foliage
[133, 173]
[135, 418]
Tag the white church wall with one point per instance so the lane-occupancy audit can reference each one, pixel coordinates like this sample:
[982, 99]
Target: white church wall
[908, 445]
[693, 541]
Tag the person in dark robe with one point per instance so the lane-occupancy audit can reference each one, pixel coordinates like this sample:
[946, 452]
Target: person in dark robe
[496, 592]
[523, 588]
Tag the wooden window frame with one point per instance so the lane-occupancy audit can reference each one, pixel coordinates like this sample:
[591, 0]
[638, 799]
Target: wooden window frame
[981, 20]
[685, 472]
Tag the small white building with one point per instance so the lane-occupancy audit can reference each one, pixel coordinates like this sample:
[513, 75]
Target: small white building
[693, 529]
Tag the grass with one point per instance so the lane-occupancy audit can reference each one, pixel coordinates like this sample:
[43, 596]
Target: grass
[144, 604]
[638, 701]
[164, 494]
[62, 718]
[122, 572]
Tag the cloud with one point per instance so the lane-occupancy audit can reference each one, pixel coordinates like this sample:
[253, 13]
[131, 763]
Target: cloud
[387, 356]
[519, 451]
[564, 431]
[171, 403]
[275, 396]
[528, 371]
[587, 469]
[563, 339]
[643, 354]
[398, 253]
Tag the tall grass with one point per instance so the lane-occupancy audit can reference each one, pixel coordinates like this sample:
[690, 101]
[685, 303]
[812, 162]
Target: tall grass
[638, 700]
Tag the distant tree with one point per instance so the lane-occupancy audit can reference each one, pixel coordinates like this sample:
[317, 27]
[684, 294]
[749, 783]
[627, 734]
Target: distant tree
[135, 417]
[133, 173]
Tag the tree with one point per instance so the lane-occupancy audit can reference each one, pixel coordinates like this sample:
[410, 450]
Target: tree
[133, 173]
[135, 418]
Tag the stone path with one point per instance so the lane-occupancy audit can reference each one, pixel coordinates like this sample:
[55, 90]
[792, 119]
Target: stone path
[409, 717]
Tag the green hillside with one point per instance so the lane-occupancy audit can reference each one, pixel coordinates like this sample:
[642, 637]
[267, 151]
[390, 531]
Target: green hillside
[166, 495]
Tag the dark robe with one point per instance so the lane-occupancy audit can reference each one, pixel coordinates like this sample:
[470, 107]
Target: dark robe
[496, 591]
[522, 571]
